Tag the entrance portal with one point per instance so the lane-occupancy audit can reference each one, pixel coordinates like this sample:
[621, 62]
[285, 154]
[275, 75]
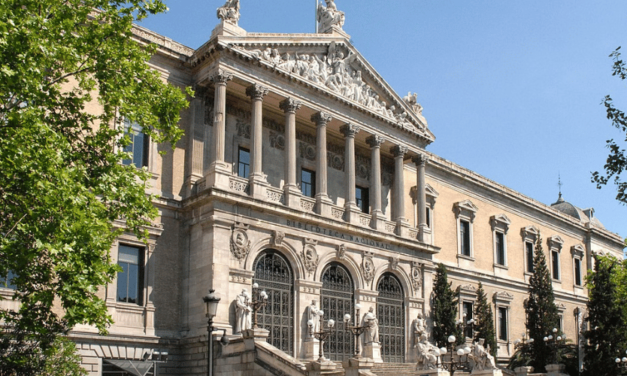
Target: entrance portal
[391, 315]
[338, 300]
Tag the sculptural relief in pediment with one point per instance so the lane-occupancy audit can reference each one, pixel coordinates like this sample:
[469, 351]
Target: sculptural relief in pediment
[337, 69]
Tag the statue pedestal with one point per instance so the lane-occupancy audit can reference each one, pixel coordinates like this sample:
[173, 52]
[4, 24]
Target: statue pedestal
[251, 336]
[322, 366]
[355, 365]
[227, 28]
[555, 370]
[487, 372]
[523, 371]
[312, 348]
[372, 350]
[433, 372]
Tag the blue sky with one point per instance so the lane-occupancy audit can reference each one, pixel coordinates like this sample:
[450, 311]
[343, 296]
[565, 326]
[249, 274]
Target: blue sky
[511, 89]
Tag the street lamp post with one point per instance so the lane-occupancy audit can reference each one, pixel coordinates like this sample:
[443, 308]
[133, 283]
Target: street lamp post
[355, 329]
[211, 306]
[462, 357]
[260, 299]
[553, 341]
[322, 335]
[622, 364]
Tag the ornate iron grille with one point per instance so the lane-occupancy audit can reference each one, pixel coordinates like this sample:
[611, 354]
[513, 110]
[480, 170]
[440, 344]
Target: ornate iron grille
[273, 274]
[391, 315]
[338, 300]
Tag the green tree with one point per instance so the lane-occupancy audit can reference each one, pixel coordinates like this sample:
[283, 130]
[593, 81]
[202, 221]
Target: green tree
[606, 319]
[444, 309]
[485, 321]
[541, 311]
[69, 75]
[616, 161]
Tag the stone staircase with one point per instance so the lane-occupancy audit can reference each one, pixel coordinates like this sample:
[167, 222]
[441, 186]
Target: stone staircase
[395, 369]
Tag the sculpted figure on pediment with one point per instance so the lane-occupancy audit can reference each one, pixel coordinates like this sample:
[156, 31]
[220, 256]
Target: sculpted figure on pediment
[229, 12]
[329, 16]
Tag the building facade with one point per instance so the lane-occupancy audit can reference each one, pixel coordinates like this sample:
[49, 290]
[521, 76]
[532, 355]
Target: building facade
[304, 172]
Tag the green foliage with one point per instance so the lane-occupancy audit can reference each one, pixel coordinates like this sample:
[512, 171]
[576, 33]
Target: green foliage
[444, 309]
[485, 321]
[69, 73]
[616, 161]
[607, 336]
[541, 311]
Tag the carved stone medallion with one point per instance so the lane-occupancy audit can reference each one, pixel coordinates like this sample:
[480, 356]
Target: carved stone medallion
[240, 245]
[367, 267]
[416, 275]
[394, 262]
[277, 237]
[341, 251]
[309, 255]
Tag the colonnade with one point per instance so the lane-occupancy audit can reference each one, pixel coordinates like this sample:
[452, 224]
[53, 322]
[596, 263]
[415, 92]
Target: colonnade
[258, 180]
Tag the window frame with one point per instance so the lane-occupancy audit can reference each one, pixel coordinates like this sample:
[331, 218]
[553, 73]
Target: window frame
[503, 322]
[502, 299]
[529, 235]
[134, 127]
[141, 251]
[311, 184]
[6, 284]
[465, 211]
[578, 252]
[365, 199]
[246, 174]
[500, 226]
[555, 244]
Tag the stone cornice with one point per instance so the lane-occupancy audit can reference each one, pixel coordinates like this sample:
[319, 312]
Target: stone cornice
[164, 44]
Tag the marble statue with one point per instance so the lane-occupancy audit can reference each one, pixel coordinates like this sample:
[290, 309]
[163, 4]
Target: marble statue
[427, 354]
[419, 329]
[370, 321]
[481, 357]
[229, 12]
[412, 101]
[329, 16]
[314, 315]
[242, 312]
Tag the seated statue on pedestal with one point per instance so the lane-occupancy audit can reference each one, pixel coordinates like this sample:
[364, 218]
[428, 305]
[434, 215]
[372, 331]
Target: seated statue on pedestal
[428, 354]
[481, 357]
[418, 327]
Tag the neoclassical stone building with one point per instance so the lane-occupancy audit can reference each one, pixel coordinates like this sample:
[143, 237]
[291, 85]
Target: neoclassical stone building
[303, 171]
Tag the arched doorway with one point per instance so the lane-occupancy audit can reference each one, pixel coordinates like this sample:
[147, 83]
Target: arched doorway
[337, 300]
[391, 315]
[273, 274]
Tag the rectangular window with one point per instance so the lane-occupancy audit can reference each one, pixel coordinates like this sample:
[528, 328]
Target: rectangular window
[529, 249]
[503, 323]
[555, 258]
[428, 217]
[138, 148]
[308, 182]
[467, 315]
[577, 272]
[464, 229]
[243, 163]
[131, 277]
[8, 283]
[362, 198]
[560, 320]
[500, 248]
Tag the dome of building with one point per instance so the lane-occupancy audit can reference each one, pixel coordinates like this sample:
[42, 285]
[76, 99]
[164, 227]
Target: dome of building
[584, 215]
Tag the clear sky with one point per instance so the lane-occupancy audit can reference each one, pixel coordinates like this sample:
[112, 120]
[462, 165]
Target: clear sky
[511, 89]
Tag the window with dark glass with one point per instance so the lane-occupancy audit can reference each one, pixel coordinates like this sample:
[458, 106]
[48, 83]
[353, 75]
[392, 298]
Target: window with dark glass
[560, 319]
[428, 217]
[308, 182]
[131, 276]
[362, 198]
[529, 250]
[138, 148]
[8, 282]
[503, 323]
[555, 258]
[467, 311]
[464, 236]
[577, 272]
[243, 163]
[500, 248]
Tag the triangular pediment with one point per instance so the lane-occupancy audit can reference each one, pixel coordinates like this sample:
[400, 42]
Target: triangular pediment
[336, 68]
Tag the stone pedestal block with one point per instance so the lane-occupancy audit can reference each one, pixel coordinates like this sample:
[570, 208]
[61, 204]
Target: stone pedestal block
[433, 372]
[258, 185]
[218, 176]
[402, 228]
[358, 364]
[378, 220]
[523, 371]
[352, 214]
[251, 336]
[226, 28]
[487, 372]
[321, 367]
[323, 205]
[555, 370]
[372, 350]
[292, 196]
[312, 349]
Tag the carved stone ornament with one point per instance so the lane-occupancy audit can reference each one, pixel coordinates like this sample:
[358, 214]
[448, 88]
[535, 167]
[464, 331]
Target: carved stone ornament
[221, 77]
[367, 267]
[290, 105]
[243, 129]
[416, 275]
[394, 262]
[341, 251]
[503, 297]
[412, 101]
[277, 140]
[468, 289]
[277, 238]
[329, 16]
[240, 245]
[309, 255]
[229, 12]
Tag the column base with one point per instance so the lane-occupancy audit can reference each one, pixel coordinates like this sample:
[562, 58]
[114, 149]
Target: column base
[323, 205]
[218, 176]
[352, 213]
[355, 365]
[312, 349]
[378, 220]
[258, 185]
[292, 196]
[402, 227]
[372, 350]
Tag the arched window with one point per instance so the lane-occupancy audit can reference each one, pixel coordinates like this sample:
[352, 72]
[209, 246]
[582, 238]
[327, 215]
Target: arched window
[391, 315]
[337, 300]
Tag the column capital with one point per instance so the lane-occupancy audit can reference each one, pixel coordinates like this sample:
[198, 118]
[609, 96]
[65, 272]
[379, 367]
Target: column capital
[321, 118]
[290, 105]
[221, 77]
[375, 141]
[256, 91]
[349, 130]
[399, 151]
[420, 159]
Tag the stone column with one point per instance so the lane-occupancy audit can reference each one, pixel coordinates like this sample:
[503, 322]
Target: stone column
[421, 198]
[195, 133]
[378, 220]
[292, 193]
[218, 170]
[402, 225]
[258, 180]
[323, 202]
[352, 212]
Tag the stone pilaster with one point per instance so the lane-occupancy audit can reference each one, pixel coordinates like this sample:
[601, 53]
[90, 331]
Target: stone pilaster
[421, 196]
[323, 202]
[378, 220]
[402, 225]
[352, 211]
[194, 153]
[218, 170]
[292, 193]
[258, 180]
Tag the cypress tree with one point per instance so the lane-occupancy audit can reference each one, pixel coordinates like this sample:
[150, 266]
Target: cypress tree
[606, 337]
[444, 309]
[542, 315]
[484, 328]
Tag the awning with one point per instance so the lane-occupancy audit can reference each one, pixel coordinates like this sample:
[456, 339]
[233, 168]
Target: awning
[134, 367]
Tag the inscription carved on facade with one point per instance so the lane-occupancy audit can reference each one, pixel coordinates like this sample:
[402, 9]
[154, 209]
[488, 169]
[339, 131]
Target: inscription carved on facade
[240, 244]
[367, 266]
[309, 255]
